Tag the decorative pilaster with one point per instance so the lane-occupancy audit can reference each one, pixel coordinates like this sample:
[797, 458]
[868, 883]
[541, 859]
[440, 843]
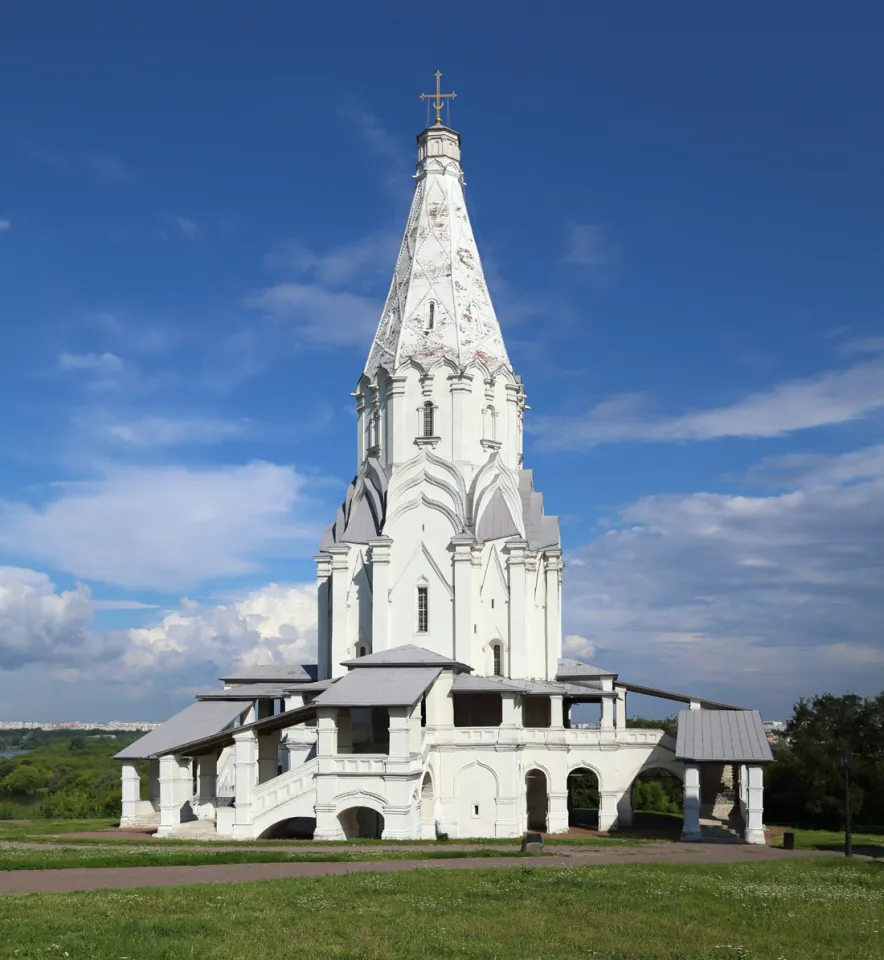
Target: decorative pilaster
[620, 709]
[323, 615]
[381, 638]
[464, 598]
[557, 812]
[553, 623]
[556, 713]
[607, 715]
[399, 732]
[299, 742]
[691, 825]
[361, 428]
[397, 447]
[340, 582]
[461, 386]
[512, 443]
[515, 550]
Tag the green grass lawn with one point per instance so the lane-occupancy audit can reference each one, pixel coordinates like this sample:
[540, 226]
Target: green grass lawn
[870, 843]
[23, 858]
[825, 909]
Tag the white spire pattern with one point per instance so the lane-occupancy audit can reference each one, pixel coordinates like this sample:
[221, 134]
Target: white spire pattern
[438, 306]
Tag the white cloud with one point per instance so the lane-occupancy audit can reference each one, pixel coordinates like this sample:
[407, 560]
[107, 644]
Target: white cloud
[321, 316]
[576, 647]
[5, 225]
[99, 364]
[185, 227]
[367, 260]
[755, 599]
[106, 166]
[154, 431]
[187, 649]
[837, 396]
[163, 527]
[587, 245]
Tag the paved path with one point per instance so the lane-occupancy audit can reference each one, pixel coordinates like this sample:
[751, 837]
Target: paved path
[129, 878]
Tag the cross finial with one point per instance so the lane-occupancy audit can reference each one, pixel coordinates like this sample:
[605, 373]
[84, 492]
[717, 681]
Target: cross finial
[438, 97]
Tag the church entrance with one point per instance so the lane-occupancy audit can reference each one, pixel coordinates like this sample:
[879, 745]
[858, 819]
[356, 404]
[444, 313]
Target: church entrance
[536, 799]
[361, 823]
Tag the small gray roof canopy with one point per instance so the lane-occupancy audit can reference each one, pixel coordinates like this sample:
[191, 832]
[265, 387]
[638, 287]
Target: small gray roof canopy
[407, 655]
[722, 736]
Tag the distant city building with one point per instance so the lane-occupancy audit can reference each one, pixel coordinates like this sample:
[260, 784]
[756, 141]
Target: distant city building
[117, 726]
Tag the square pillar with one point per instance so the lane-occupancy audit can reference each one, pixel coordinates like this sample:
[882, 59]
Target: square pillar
[415, 732]
[691, 826]
[608, 810]
[440, 706]
[245, 777]
[557, 812]
[607, 714]
[397, 429]
[624, 808]
[175, 791]
[754, 832]
[553, 572]
[511, 709]
[464, 598]
[399, 739]
[299, 742]
[380, 593]
[344, 723]
[461, 387]
[326, 732]
[620, 708]
[518, 653]
[340, 581]
[153, 782]
[131, 788]
[556, 713]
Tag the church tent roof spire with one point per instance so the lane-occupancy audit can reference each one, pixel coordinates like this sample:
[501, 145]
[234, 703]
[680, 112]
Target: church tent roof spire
[438, 306]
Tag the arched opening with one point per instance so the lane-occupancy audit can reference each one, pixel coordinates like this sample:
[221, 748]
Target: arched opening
[489, 423]
[654, 803]
[428, 808]
[361, 823]
[497, 659]
[583, 798]
[295, 828]
[429, 418]
[536, 799]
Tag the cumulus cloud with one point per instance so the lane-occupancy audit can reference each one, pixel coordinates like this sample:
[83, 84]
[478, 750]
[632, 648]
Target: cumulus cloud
[102, 364]
[836, 396]
[5, 225]
[588, 246]
[188, 647]
[760, 599]
[165, 527]
[156, 431]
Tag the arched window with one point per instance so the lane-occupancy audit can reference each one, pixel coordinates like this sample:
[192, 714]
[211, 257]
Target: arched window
[431, 315]
[496, 652]
[489, 425]
[423, 609]
[429, 417]
[361, 650]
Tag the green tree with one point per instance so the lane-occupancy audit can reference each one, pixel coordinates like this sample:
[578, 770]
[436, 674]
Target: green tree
[26, 780]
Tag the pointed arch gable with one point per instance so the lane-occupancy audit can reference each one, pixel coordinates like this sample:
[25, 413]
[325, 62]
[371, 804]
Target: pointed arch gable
[493, 566]
[483, 766]
[409, 574]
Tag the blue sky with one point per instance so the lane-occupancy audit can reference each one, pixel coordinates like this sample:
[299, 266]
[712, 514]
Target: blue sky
[680, 212]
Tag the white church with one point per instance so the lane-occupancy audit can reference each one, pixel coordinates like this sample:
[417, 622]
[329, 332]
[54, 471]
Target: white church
[440, 703]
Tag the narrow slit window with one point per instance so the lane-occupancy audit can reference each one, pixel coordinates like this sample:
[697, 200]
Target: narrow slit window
[423, 609]
[431, 315]
[429, 417]
[498, 666]
[475, 809]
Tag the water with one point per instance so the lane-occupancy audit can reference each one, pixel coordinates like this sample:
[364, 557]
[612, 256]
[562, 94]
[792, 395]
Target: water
[13, 753]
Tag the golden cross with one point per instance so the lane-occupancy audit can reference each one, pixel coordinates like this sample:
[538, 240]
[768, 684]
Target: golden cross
[439, 98]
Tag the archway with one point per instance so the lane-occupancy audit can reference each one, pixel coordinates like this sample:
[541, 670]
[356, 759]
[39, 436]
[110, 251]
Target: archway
[361, 823]
[295, 828]
[428, 808]
[536, 799]
[583, 798]
[655, 802]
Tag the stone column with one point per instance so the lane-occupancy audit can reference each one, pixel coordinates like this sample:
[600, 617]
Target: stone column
[323, 606]
[131, 786]
[607, 715]
[691, 826]
[380, 593]
[754, 832]
[415, 731]
[554, 567]
[153, 782]
[464, 614]
[608, 810]
[461, 386]
[557, 812]
[440, 706]
[245, 774]
[512, 439]
[340, 581]
[207, 776]
[326, 732]
[300, 742]
[556, 713]
[361, 427]
[518, 660]
[620, 709]
[511, 710]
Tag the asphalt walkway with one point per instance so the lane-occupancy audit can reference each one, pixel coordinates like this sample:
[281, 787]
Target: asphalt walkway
[129, 878]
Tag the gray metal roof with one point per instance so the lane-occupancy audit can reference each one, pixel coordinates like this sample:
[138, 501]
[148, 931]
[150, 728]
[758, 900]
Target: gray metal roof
[572, 669]
[381, 687]
[200, 719]
[407, 655]
[670, 695]
[283, 672]
[467, 683]
[316, 687]
[247, 691]
[721, 735]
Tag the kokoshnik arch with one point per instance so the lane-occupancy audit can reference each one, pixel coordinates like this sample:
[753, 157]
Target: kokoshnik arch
[440, 701]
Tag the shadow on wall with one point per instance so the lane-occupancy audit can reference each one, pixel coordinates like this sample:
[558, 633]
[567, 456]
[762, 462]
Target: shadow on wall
[296, 828]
